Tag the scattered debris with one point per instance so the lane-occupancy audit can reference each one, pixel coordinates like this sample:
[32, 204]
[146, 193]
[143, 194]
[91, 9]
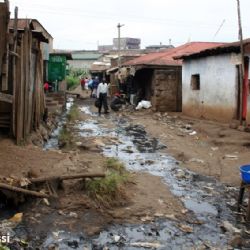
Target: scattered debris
[196, 160]
[146, 244]
[185, 228]
[143, 104]
[228, 227]
[230, 157]
[17, 218]
[193, 133]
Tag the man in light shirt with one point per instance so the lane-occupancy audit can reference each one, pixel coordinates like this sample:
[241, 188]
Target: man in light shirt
[102, 92]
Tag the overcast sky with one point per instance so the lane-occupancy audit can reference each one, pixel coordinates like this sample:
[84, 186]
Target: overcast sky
[83, 24]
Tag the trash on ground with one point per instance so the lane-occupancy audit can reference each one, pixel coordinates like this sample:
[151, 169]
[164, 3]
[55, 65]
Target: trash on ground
[143, 104]
[146, 244]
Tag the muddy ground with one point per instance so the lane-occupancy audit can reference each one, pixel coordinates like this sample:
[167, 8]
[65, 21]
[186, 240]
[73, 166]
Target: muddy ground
[166, 206]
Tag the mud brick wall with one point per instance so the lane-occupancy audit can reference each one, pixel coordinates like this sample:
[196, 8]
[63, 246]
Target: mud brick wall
[167, 90]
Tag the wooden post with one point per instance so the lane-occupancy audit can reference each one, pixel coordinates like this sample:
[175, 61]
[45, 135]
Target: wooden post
[242, 59]
[14, 66]
[20, 94]
[5, 64]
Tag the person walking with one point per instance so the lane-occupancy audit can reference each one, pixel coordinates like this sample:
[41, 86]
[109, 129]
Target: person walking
[102, 92]
[46, 87]
[95, 86]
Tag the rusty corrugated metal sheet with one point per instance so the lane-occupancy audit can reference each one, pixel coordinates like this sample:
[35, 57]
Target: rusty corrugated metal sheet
[166, 58]
[21, 23]
[99, 67]
[221, 48]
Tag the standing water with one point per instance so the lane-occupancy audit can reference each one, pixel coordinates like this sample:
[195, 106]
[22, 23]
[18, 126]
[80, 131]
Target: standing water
[203, 196]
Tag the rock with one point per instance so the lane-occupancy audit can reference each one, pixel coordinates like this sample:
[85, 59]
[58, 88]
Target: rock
[53, 247]
[73, 215]
[73, 244]
[78, 143]
[185, 228]
[214, 148]
[170, 217]
[116, 238]
[236, 242]
[196, 160]
[228, 227]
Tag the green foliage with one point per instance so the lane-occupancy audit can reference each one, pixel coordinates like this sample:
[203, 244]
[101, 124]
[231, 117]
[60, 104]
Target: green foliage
[73, 113]
[115, 164]
[65, 137]
[72, 82]
[4, 247]
[110, 190]
[77, 72]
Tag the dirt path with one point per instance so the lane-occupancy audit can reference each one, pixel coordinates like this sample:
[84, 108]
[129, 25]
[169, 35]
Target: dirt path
[205, 147]
[164, 203]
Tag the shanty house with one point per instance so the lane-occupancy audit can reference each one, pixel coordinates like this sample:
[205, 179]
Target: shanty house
[158, 76]
[45, 47]
[22, 101]
[211, 83]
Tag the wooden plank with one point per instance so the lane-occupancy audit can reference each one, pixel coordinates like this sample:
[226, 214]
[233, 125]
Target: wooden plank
[24, 191]
[26, 83]
[6, 97]
[14, 79]
[67, 177]
[20, 94]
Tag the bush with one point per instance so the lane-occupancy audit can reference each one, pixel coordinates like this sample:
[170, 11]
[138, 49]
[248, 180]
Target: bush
[115, 164]
[110, 190]
[65, 138]
[73, 113]
[72, 82]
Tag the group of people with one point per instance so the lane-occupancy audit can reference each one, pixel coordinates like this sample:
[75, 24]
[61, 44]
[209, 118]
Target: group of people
[99, 90]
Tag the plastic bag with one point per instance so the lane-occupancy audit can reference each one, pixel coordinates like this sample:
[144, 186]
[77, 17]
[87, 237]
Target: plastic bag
[97, 103]
[143, 104]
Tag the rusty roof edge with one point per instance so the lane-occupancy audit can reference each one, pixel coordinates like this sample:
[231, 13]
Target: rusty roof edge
[30, 20]
[221, 49]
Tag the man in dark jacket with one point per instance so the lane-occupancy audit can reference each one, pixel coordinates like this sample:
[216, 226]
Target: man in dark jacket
[117, 102]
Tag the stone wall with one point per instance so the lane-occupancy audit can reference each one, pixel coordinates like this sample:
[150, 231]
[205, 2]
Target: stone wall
[167, 90]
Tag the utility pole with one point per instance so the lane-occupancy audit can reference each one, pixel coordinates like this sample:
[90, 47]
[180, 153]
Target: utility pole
[242, 59]
[119, 44]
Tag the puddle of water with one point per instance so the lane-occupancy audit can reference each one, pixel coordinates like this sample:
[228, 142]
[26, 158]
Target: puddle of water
[52, 143]
[200, 207]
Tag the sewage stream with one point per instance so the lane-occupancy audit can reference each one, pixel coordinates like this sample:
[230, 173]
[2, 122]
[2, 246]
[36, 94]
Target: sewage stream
[206, 198]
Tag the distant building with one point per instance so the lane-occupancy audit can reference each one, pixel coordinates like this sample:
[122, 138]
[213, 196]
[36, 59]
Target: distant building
[152, 48]
[84, 59]
[105, 48]
[127, 43]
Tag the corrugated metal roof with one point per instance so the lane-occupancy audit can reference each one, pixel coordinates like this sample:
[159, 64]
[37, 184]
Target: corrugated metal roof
[222, 48]
[99, 67]
[166, 58]
[33, 24]
[21, 23]
[86, 56]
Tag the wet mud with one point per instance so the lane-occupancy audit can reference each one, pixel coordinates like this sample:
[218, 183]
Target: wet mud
[208, 202]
